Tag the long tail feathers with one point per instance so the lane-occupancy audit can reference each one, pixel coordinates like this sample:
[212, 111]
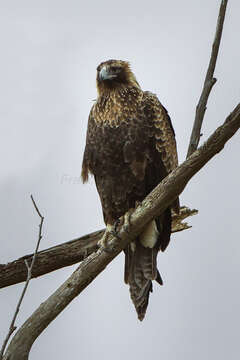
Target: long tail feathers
[141, 267]
[140, 270]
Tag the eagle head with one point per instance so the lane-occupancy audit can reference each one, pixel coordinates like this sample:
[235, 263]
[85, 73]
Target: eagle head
[114, 74]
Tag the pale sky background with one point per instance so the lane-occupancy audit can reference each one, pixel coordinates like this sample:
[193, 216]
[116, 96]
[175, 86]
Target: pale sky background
[49, 54]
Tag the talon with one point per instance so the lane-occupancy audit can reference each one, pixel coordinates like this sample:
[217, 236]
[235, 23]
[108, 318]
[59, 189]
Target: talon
[137, 203]
[115, 234]
[108, 250]
[127, 220]
[116, 225]
[103, 242]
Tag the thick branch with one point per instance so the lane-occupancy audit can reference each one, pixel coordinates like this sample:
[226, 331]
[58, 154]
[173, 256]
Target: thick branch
[50, 259]
[69, 253]
[155, 203]
[208, 83]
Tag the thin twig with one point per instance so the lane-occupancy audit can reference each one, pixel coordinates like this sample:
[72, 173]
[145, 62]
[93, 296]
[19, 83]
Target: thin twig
[12, 327]
[208, 83]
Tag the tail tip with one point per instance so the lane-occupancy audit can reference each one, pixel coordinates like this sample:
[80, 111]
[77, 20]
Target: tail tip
[141, 314]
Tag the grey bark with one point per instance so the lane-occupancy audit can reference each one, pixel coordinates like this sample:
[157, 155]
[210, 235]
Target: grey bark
[154, 204]
[67, 254]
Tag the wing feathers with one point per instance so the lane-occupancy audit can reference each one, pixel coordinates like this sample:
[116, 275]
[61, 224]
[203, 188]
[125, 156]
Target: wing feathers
[130, 148]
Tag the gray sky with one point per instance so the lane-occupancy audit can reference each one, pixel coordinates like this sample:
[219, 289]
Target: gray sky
[49, 54]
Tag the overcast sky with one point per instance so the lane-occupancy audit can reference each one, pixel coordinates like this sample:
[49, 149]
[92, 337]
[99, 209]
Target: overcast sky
[49, 53]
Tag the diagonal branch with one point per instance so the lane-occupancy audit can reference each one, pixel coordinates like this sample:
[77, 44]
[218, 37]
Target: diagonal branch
[208, 83]
[68, 253]
[155, 203]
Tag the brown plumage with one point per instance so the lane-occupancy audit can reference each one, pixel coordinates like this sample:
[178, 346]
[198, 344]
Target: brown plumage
[130, 148]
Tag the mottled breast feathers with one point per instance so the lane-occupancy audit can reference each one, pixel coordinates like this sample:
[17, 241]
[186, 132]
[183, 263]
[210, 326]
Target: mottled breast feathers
[128, 127]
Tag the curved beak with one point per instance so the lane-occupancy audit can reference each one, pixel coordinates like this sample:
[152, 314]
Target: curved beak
[104, 74]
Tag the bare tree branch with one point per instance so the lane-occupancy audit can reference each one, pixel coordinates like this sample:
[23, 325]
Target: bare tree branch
[50, 259]
[69, 253]
[208, 83]
[12, 327]
[154, 204]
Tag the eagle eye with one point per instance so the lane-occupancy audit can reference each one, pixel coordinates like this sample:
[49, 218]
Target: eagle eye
[116, 68]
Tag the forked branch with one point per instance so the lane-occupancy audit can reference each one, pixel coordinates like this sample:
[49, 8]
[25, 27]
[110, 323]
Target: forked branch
[69, 253]
[156, 202]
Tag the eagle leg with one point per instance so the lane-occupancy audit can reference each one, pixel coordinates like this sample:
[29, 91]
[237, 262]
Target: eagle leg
[103, 243]
[126, 218]
[125, 222]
